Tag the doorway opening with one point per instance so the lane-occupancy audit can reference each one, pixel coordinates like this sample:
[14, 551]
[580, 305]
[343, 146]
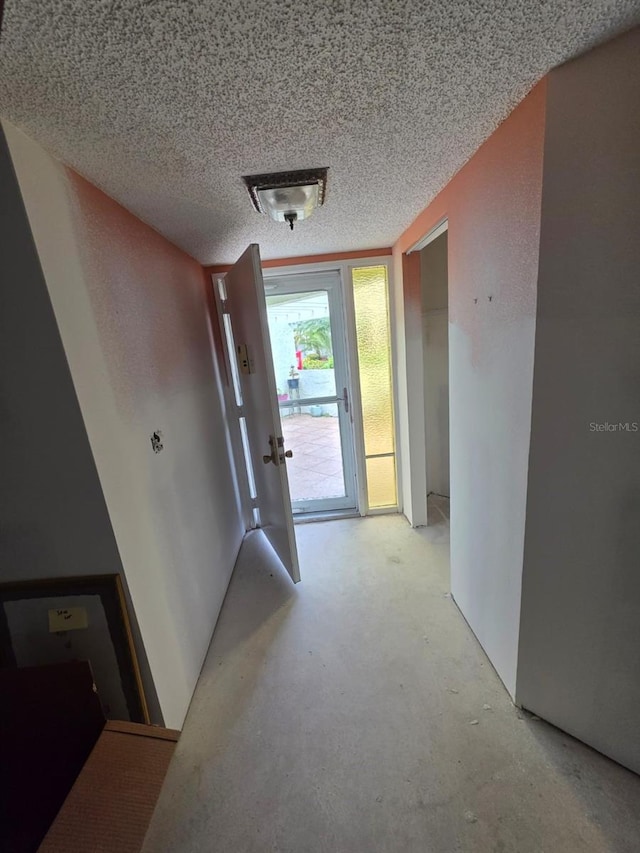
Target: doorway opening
[434, 284]
[426, 283]
[308, 385]
[305, 314]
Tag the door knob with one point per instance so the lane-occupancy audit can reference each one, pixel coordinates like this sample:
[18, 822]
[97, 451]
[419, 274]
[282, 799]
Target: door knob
[278, 452]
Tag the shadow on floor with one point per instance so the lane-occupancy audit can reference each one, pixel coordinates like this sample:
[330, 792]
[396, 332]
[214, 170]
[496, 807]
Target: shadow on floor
[592, 779]
[254, 612]
[259, 588]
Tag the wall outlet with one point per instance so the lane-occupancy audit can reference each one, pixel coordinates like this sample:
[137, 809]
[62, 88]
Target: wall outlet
[67, 619]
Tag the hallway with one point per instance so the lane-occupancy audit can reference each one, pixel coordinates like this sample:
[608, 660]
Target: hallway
[356, 713]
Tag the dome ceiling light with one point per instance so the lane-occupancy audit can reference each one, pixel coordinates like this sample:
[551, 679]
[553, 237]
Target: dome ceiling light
[288, 196]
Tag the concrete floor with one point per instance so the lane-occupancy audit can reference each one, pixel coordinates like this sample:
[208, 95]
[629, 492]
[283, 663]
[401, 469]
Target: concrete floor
[356, 713]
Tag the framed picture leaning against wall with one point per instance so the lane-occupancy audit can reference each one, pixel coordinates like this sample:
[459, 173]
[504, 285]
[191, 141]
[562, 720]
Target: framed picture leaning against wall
[55, 620]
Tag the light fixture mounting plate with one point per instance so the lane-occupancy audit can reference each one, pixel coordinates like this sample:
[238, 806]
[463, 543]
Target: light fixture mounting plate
[280, 180]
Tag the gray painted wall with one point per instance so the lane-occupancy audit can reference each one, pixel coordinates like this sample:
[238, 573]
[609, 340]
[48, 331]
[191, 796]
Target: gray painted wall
[579, 653]
[435, 327]
[434, 274]
[53, 517]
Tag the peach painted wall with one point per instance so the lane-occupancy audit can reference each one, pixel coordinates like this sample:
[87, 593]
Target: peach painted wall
[493, 209]
[134, 317]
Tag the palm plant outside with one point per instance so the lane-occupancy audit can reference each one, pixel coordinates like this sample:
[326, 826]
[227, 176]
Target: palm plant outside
[313, 337]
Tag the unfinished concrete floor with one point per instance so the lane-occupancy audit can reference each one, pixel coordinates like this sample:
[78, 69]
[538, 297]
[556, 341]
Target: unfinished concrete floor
[356, 713]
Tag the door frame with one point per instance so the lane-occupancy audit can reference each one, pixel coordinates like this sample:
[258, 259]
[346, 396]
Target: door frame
[343, 268]
[329, 281]
[416, 437]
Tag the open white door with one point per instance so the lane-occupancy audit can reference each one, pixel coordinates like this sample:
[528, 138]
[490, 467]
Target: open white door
[242, 304]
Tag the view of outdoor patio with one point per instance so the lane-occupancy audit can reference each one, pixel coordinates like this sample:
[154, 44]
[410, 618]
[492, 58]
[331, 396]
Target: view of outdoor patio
[315, 471]
[302, 350]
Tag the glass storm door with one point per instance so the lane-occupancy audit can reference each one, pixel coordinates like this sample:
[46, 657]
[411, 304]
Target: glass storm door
[305, 314]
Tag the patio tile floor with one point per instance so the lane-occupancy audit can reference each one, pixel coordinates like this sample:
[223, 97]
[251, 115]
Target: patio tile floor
[315, 471]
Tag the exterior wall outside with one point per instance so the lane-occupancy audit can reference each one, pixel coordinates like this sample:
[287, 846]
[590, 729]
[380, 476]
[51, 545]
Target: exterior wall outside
[319, 383]
[579, 657]
[283, 349]
[134, 317]
[311, 382]
[493, 209]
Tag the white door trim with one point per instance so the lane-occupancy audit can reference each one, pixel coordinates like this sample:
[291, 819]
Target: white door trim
[416, 427]
[430, 236]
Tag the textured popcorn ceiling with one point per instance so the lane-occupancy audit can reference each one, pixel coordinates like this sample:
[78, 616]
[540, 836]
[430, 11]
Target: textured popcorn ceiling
[165, 105]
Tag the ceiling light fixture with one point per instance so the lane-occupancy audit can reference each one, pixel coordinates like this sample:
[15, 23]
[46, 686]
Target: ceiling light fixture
[288, 196]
